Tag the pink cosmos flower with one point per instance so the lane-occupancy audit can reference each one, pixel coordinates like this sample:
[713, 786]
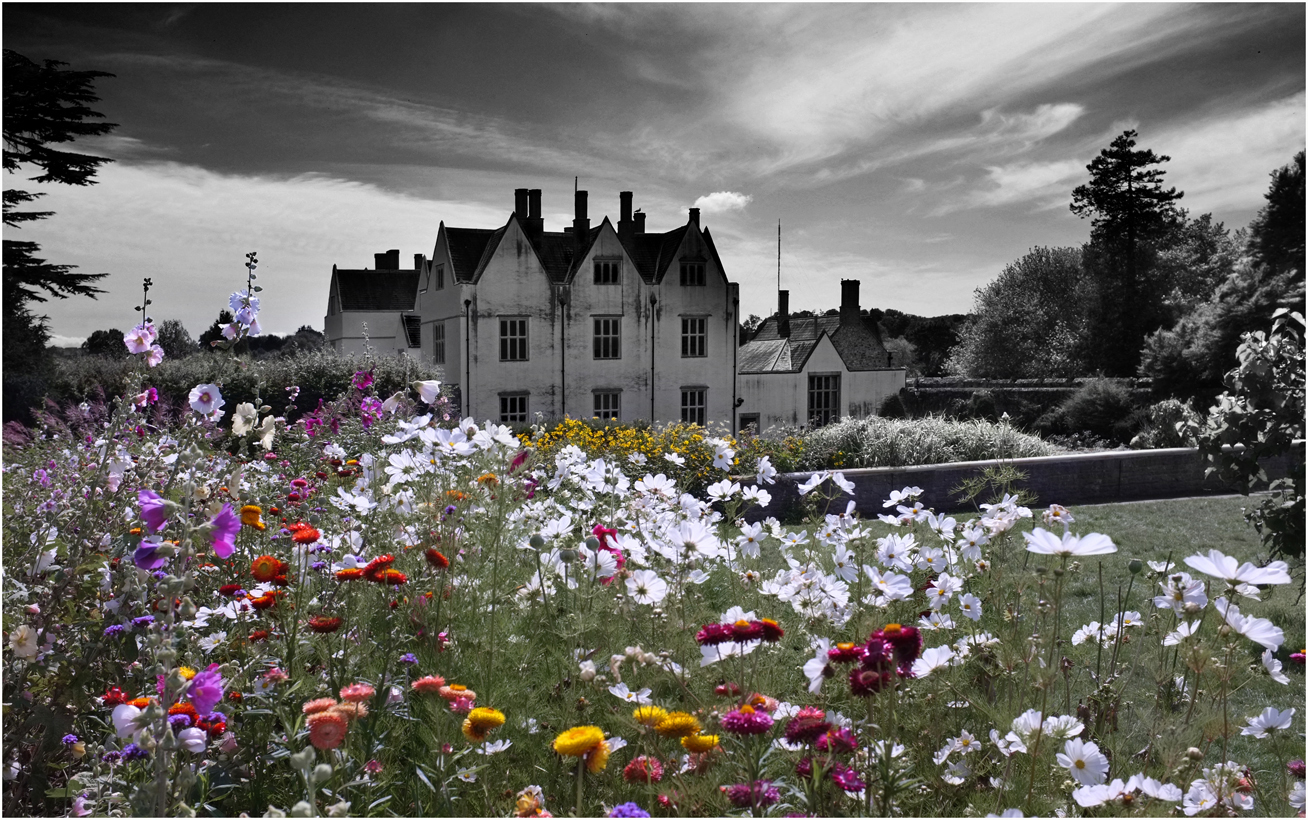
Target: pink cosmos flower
[225, 525]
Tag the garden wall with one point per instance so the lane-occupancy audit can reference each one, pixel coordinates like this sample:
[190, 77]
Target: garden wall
[1078, 478]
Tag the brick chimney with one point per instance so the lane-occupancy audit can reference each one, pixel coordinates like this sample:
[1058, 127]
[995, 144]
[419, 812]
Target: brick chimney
[625, 226]
[849, 301]
[694, 217]
[390, 260]
[534, 224]
[580, 222]
[419, 262]
[783, 314]
[520, 203]
[640, 222]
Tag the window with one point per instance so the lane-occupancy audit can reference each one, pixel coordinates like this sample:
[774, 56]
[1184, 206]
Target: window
[608, 336]
[608, 404]
[438, 343]
[513, 408]
[692, 274]
[440, 277]
[694, 337]
[513, 340]
[823, 399]
[607, 271]
[749, 423]
[692, 405]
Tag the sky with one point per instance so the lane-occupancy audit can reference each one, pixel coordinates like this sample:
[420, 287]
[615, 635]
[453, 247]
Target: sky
[918, 148]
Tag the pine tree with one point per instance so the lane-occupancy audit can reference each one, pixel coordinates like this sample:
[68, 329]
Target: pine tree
[1130, 210]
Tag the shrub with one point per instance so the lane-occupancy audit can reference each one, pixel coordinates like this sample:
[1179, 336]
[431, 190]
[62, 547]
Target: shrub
[1168, 423]
[892, 407]
[1099, 407]
[880, 442]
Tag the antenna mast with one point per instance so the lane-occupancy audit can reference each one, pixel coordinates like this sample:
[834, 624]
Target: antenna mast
[778, 255]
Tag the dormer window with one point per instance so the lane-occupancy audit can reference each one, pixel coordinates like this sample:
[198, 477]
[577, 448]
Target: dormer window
[608, 271]
[692, 274]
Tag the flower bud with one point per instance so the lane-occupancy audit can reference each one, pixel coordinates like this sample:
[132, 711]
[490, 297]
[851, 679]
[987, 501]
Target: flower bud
[592, 543]
[1194, 753]
[537, 542]
[1135, 566]
[322, 773]
[302, 809]
[567, 556]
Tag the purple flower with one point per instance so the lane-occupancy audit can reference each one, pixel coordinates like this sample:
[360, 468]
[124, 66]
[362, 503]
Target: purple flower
[154, 511]
[846, 778]
[112, 757]
[224, 525]
[133, 752]
[114, 630]
[68, 740]
[144, 620]
[363, 380]
[206, 690]
[41, 477]
[179, 721]
[628, 810]
[761, 795]
[409, 658]
[147, 555]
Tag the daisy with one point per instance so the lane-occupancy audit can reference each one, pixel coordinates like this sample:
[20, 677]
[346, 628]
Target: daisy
[1084, 761]
[1270, 720]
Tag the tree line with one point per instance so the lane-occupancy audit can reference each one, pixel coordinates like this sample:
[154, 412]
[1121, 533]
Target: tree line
[1155, 292]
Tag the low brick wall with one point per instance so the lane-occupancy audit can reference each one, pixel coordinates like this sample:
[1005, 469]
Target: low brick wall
[1079, 478]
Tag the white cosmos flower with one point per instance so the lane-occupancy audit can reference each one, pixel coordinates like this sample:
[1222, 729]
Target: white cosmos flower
[813, 669]
[1184, 630]
[813, 482]
[210, 642]
[1090, 796]
[1043, 542]
[646, 587]
[1008, 744]
[942, 589]
[1270, 720]
[931, 660]
[674, 458]
[723, 490]
[970, 605]
[765, 473]
[957, 773]
[840, 481]
[1062, 727]
[1296, 796]
[623, 693]
[894, 587]
[1273, 667]
[899, 496]
[1084, 761]
[1180, 589]
[934, 621]
[757, 495]
[1259, 630]
[1159, 790]
[1027, 724]
[1224, 566]
[495, 748]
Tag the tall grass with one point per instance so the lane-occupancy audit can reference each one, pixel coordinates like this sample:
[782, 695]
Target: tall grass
[882, 442]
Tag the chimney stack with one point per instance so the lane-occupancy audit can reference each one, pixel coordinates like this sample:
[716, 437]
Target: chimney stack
[419, 262]
[534, 224]
[580, 222]
[390, 260]
[520, 203]
[640, 222]
[625, 225]
[694, 217]
[783, 314]
[849, 301]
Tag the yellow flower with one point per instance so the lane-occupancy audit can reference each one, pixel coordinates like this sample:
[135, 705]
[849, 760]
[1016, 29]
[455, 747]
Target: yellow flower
[649, 715]
[480, 721]
[579, 741]
[678, 724]
[186, 672]
[598, 757]
[698, 744]
[251, 516]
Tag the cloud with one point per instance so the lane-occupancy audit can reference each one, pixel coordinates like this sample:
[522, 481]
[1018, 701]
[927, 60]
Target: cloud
[1042, 182]
[723, 201]
[66, 341]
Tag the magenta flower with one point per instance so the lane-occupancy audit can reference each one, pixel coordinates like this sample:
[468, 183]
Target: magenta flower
[747, 721]
[153, 509]
[206, 690]
[224, 525]
[761, 795]
[362, 379]
[846, 778]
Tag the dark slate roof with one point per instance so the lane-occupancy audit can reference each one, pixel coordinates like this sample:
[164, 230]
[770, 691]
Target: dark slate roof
[413, 329]
[857, 343]
[468, 249]
[377, 289]
[653, 252]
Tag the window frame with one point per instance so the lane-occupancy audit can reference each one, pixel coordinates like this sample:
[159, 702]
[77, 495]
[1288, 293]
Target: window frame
[694, 273]
[607, 271]
[692, 412]
[508, 415]
[509, 342]
[830, 411]
[613, 396]
[689, 334]
[606, 346]
[438, 342]
[440, 277]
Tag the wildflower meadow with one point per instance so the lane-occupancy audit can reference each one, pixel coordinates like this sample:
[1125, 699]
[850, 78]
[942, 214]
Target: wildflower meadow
[383, 609]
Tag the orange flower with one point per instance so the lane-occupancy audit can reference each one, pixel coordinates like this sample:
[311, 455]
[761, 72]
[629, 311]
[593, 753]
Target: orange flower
[139, 703]
[454, 691]
[431, 683]
[322, 624]
[350, 711]
[455, 495]
[349, 574]
[313, 707]
[265, 568]
[266, 601]
[393, 577]
[252, 516]
[307, 535]
[357, 692]
[488, 480]
[377, 567]
[327, 730]
[437, 559]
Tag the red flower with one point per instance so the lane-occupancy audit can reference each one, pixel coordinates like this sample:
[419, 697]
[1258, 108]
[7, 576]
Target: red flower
[845, 653]
[260, 635]
[308, 535]
[349, 574]
[323, 624]
[230, 590]
[265, 568]
[377, 567]
[393, 577]
[114, 696]
[772, 631]
[742, 631]
[713, 634]
[437, 559]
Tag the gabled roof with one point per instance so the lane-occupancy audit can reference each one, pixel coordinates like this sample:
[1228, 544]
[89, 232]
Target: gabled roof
[412, 329]
[469, 248]
[376, 289]
[858, 343]
[653, 252]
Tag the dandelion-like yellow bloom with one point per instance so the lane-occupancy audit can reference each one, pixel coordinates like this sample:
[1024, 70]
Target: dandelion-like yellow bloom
[649, 715]
[480, 721]
[186, 672]
[698, 744]
[251, 516]
[678, 724]
[579, 741]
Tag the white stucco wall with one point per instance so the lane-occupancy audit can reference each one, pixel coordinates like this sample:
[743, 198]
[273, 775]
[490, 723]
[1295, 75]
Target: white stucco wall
[345, 332]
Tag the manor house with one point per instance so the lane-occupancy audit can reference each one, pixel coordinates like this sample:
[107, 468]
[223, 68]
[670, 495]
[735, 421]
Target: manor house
[607, 321]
